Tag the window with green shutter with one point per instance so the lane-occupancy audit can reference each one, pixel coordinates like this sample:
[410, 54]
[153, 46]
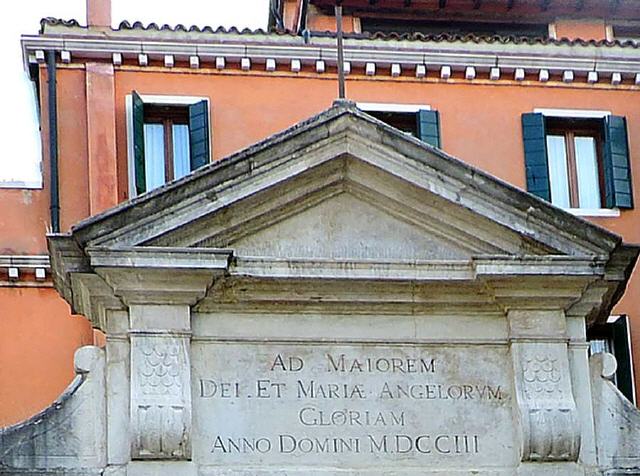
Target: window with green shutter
[170, 138]
[578, 162]
[617, 167]
[428, 125]
[419, 121]
[614, 337]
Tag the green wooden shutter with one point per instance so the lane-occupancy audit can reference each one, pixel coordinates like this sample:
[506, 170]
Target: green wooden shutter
[535, 155]
[138, 143]
[617, 170]
[199, 134]
[621, 346]
[428, 126]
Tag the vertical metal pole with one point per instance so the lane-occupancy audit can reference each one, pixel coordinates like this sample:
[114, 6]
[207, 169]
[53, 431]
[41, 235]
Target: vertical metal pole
[341, 86]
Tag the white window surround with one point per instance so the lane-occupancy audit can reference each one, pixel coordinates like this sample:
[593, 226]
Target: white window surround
[573, 113]
[155, 99]
[582, 114]
[391, 107]
[613, 318]
[32, 185]
[594, 212]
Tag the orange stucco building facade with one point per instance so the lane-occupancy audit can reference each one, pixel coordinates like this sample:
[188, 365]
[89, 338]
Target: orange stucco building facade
[480, 122]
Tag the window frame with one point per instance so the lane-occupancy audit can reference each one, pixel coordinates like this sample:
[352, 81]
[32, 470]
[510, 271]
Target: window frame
[401, 109]
[161, 100]
[392, 107]
[570, 132]
[606, 333]
[167, 120]
[602, 115]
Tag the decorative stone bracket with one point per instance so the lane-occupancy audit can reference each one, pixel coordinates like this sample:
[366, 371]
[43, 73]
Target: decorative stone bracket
[160, 383]
[548, 412]
[547, 409]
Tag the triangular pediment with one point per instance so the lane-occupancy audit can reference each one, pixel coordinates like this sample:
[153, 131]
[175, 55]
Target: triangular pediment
[349, 208]
[339, 197]
[347, 227]
[344, 185]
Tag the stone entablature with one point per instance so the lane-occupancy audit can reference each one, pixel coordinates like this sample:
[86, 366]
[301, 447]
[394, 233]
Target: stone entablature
[343, 297]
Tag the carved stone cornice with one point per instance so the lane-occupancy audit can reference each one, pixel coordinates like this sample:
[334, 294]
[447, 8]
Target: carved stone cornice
[552, 57]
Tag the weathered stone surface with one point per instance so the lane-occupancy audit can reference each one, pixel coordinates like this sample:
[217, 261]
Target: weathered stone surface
[68, 437]
[347, 227]
[344, 299]
[160, 382]
[352, 406]
[617, 421]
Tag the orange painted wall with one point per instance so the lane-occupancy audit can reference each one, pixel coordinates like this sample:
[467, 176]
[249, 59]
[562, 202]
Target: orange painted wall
[326, 23]
[72, 133]
[586, 30]
[24, 218]
[38, 335]
[37, 340]
[480, 123]
[101, 137]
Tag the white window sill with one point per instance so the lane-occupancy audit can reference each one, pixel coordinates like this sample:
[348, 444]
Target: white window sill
[594, 212]
[20, 184]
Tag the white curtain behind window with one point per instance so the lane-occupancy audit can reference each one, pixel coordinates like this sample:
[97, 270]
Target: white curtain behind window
[181, 157]
[558, 174]
[154, 155]
[587, 169]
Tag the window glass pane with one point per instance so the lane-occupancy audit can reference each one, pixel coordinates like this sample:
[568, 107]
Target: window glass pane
[597, 346]
[154, 155]
[180, 150]
[558, 176]
[587, 169]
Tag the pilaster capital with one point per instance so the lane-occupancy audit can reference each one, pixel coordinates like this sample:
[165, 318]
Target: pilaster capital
[537, 324]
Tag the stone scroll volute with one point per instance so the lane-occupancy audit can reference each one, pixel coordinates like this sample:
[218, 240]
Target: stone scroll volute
[547, 409]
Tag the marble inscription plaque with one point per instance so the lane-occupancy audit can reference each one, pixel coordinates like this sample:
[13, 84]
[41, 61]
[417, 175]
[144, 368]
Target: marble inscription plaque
[351, 405]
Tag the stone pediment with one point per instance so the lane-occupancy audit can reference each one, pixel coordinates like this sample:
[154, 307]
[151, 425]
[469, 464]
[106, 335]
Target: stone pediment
[345, 166]
[347, 227]
[340, 196]
[347, 208]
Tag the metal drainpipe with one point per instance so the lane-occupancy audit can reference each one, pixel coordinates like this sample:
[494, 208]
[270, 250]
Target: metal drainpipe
[302, 25]
[53, 141]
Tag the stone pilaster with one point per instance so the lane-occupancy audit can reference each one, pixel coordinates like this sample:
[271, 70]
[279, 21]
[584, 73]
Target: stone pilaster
[160, 382]
[544, 394]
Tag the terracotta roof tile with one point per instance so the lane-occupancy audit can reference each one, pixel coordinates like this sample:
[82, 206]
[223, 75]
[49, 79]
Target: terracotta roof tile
[474, 38]
[51, 21]
[139, 26]
[393, 36]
